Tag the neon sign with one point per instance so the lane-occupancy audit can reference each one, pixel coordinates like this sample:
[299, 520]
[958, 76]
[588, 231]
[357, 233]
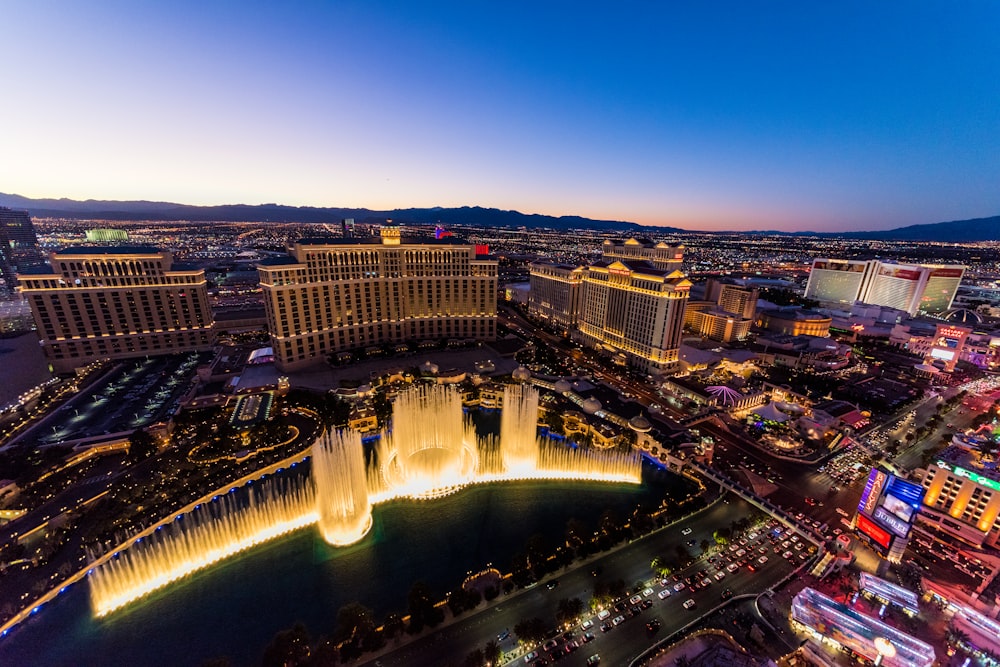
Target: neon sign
[968, 474]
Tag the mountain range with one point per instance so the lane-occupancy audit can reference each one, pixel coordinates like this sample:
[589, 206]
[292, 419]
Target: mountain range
[957, 231]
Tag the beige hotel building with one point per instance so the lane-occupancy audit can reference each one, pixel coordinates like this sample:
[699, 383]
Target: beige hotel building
[333, 295]
[633, 308]
[554, 294]
[116, 302]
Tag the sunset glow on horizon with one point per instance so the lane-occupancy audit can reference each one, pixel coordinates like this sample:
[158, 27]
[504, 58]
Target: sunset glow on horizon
[719, 116]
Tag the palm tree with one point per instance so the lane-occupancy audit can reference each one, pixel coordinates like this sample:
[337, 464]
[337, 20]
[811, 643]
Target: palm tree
[956, 636]
[988, 449]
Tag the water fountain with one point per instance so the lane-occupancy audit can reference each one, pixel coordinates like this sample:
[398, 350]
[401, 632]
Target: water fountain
[518, 440]
[212, 532]
[432, 450]
[341, 481]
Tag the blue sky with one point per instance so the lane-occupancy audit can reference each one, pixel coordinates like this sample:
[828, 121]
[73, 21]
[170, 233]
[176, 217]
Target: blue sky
[707, 115]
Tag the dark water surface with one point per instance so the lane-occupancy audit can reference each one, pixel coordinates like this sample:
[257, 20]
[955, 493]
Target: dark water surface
[235, 608]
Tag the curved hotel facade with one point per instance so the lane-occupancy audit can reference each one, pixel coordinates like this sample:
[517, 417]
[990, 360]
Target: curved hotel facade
[913, 288]
[334, 295]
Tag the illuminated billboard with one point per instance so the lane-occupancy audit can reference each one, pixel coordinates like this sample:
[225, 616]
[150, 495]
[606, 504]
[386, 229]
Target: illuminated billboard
[944, 355]
[888, 508]
[908, 492]
[874, 532]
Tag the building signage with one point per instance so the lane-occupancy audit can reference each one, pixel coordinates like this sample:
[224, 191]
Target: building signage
[873, 489]
[891, 521]
[948, 332]
[947, 273]
[906, 491]
[968, 474]
[873, 531]
[904, 274]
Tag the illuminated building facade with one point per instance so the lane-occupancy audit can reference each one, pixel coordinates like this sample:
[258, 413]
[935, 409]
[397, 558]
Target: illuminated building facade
[554, 293]
[738, 300]
[107, 236]
[19, 250]
[947, 346]
[961, 500]
[715, 323]
[913, 288]
[836, 281]
[727, 313]
[119, 302]
[794, 322]
[335, 295]
[636, 309]
[888, 507]
[661, 255]
[863, 635]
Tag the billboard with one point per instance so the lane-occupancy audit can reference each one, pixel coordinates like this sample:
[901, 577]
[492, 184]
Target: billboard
[889, 504]
[946, 355]
[874, 532]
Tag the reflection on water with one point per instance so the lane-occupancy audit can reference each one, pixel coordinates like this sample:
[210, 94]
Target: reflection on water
[236, 607]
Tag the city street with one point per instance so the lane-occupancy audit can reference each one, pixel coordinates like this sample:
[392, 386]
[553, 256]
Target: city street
[631, 564]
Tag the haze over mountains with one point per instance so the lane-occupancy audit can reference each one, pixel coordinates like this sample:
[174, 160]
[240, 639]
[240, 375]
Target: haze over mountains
[958, 231]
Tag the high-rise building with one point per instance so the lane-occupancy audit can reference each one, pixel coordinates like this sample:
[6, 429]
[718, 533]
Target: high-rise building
[909, 287]
[554, 292]
[837, 281]
[661, 255]
[963, 497]
[334, 295]
[738, 300]
[117, 302]
[636, 309]
[716, 324]
[19, 249]
[726, 314]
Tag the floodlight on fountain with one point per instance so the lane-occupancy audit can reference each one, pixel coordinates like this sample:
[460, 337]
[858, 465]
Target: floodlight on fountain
[342, 502]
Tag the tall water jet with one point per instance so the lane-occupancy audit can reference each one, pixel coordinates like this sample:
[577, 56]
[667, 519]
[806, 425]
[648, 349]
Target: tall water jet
[518, 426]
[431, 449]
[342, 503]
[210, 533]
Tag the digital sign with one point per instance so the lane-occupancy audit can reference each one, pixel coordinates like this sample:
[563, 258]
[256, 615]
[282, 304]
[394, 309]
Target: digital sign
[889, 504]
[873, 531]
[908, 492]
[945, 355]
[892, 522]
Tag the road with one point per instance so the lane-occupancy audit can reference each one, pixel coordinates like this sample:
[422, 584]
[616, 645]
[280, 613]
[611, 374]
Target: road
[631, 564]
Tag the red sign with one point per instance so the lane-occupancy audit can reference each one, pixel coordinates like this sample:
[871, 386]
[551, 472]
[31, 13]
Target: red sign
[877, 533]
[620, 272]
[952, 333]
[947, 273]
[482, 249]
[905, 274]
